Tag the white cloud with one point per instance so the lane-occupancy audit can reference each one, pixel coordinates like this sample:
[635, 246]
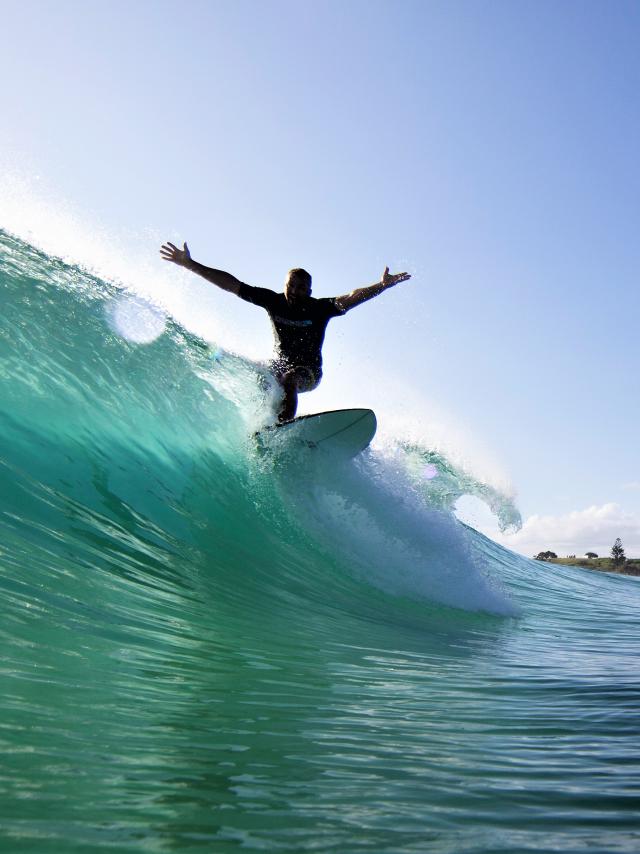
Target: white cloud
[592, 529]
[632, 485]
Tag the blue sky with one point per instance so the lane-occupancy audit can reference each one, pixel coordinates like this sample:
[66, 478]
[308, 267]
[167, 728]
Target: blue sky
[491, 148]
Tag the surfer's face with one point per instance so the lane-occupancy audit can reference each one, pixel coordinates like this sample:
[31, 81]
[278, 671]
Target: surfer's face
[296, 289]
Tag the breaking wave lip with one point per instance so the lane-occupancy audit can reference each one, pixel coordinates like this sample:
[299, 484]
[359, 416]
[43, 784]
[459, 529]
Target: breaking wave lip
[166, 418]
[444, 483]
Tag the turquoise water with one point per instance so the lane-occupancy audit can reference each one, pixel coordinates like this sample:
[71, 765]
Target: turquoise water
[206, 649]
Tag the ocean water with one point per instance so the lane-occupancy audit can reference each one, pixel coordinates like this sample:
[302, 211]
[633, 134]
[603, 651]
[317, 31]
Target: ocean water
[205, 648]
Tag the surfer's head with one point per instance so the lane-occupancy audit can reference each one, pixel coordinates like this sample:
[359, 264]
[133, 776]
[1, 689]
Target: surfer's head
[297, 285]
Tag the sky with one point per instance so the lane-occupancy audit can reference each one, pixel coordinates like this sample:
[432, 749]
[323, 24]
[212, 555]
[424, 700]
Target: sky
[489, 148]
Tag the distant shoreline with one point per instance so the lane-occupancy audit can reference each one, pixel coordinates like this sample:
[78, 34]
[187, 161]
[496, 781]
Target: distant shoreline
[601, 564]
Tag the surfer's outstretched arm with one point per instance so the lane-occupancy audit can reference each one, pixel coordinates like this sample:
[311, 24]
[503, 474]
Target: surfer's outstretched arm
[387, 280]
[182, 257]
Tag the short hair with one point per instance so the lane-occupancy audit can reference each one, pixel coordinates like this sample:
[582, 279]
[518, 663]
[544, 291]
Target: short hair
[301, 274]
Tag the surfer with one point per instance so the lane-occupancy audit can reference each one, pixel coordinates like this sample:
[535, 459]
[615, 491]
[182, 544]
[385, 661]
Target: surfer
[299, 320]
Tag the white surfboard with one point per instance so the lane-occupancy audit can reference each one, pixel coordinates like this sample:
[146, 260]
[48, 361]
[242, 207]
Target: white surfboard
[342, 431]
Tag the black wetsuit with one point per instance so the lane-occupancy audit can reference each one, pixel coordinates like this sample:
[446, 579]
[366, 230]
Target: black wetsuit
[299, 328]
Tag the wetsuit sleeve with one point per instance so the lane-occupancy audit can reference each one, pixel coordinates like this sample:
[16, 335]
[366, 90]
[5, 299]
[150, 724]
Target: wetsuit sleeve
[330, 307]
[258, 296]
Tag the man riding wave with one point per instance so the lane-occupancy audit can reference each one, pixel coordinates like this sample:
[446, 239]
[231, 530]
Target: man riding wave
[299, 320]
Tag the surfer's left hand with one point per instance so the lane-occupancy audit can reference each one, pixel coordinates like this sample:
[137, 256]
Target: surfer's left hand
[181, 257]
[388, 279]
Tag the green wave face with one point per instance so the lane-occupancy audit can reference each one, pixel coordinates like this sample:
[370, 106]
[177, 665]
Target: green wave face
[207, 647]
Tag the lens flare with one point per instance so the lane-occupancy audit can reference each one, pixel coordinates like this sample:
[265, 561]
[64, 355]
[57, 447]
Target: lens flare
[136, 319]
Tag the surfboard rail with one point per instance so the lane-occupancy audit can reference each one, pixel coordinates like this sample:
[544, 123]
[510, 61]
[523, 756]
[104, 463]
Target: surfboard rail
[343, 431]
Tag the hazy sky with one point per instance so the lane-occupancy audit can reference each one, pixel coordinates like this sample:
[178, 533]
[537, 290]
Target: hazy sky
[491, 148]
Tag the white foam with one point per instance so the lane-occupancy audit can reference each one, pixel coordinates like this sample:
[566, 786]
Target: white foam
[382, 529]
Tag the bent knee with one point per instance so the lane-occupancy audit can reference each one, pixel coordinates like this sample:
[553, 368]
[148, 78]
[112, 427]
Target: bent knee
[289, 379]
[299, 378]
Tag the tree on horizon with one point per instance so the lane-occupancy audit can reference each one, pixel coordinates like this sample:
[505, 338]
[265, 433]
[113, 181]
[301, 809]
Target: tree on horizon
[617, 553]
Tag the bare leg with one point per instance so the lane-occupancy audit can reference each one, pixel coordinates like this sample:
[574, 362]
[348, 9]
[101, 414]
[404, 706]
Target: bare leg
[289, 406]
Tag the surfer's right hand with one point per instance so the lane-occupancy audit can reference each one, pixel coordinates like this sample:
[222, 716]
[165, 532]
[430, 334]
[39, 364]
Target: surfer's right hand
[181, 257]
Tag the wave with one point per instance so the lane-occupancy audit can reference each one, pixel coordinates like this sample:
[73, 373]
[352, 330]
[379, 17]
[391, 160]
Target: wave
[206, 647]
[165, 431]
